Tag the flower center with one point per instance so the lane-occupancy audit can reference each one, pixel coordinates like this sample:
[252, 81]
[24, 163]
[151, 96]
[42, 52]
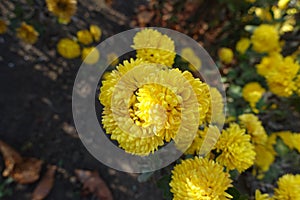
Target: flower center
[156, 105]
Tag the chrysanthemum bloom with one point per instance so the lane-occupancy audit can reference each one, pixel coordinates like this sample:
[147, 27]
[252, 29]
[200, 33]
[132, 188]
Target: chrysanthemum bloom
[84, 37]
[265, 155]
[216, 110]
[279, 73]
[189, 55]
[265, 39]
[96, 32]
[199, 178]
[141, 112]
[225, 55]
[292, 140]
[63, 9]
[254, 128]
[90, 55]
[264, 14]
[3, 26]
[260, 196]
[27, 33]
[282, 4]
[68, 48]
[236, 151]
[242, 45]
[288, 188]
[268, 62]
[154, 47]
[252, 93]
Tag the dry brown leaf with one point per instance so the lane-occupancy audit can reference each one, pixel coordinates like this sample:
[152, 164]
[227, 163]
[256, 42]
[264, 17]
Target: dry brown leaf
[22, 170]
[10, 156]
[70, 130]
[45, 185]
[92, 183]
[28, 171]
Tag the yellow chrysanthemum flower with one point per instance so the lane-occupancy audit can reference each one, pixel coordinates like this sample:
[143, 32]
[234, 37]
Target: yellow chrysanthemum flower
[194, 62]
[260, 196]
[200, 178]
[288, 188]
[292, 140]
[265, 156]
[225, 55]
[96, 32]
[145, 111]
[269, 62]
[265, 38]
[84, 37]
[27, 33]
[263, 14]
[242, 45]
[90, 55]
[3, 26]
[216, 110]
[154, 47]
[279, 73]
[252, 93]
[202, 93]
[282, 4]
[63, 9]
[288, 25]
[68, 48]
[254, 128]
[236, 151]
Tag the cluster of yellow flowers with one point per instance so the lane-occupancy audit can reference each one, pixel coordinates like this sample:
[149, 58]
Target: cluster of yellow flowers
[155, 103]
[288, 188]
[252, 93]
[69, 48]
[263, 144]
[200, 178]
[280, 73]
[25, 32]
[63, 9]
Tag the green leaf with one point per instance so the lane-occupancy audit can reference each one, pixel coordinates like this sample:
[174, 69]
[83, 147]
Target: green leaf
[281, 148]
[163, 184]
[234, 193]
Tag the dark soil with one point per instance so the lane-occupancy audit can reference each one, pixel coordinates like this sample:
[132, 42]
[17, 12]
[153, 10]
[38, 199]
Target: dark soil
[36, 89]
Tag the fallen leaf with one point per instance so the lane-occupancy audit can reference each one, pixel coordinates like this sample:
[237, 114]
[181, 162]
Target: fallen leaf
[28, 171]
[92, 183]
[70, 130]
[22, 170]
[10, 156]
[45, 185]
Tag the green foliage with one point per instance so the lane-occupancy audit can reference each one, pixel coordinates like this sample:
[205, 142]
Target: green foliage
[163, 184]
[5, 190]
